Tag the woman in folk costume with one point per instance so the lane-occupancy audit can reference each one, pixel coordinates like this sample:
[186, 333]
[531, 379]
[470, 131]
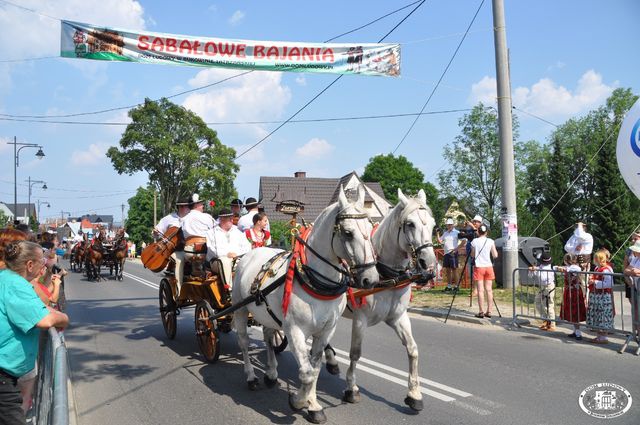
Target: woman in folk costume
[258, 235]
[573, 307]
[601, 309]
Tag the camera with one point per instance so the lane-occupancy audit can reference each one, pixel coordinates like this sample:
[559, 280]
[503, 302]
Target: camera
[438, 230]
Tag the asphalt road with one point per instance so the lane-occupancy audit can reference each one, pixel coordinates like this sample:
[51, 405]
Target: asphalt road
[125, 370]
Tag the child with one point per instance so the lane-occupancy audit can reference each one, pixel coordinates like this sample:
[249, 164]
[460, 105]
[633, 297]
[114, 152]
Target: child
[601, 308]
[573, 307]
[545, 304]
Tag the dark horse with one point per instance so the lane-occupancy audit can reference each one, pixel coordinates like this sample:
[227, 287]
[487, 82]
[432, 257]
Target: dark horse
[93, 256]
[119, 253]
[76, 258]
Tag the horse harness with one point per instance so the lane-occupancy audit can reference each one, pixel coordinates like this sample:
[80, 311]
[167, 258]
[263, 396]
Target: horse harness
[402, 228]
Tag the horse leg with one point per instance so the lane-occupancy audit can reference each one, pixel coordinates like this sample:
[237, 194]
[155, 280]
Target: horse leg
[271, 373]
[358, 326]
[402, 326]
[240, 319]
[315, 411]
[332, 363]
[298, 346]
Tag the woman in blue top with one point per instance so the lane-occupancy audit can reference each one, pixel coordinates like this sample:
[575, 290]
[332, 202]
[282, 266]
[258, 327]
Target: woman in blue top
[21, 315]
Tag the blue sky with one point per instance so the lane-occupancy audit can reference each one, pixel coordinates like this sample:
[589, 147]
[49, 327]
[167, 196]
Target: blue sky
[566, 58]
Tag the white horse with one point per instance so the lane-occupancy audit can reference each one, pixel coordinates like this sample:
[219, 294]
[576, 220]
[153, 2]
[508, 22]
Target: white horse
[340, 236]
[403, 240]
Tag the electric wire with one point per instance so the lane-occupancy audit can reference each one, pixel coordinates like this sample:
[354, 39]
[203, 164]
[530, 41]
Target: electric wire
[321, 91]
[440, 79]
[535, 116]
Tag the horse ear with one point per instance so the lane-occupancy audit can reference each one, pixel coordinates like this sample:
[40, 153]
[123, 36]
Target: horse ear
[403, 199]
[422, 197]
[342, 198]
[361, 193]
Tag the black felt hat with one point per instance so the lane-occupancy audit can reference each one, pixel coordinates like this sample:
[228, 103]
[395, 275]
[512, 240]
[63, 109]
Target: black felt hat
[225, 212]
[251, 203]
[236, 202]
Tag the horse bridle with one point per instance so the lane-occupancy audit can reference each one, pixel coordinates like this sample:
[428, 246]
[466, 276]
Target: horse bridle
[352, 267]
[414, 251]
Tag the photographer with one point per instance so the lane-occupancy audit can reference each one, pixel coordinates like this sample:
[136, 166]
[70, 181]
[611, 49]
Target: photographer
[470, 232]
[450, 243]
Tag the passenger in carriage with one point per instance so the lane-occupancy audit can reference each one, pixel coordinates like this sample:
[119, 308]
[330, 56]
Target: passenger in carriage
[246, 221]
[258, 235]
[173, 219]
[236, 209]
[226, 243]
[194, 228]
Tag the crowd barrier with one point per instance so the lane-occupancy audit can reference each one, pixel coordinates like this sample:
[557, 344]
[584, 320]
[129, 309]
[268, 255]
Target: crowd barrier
[51, 399]
[532, 291]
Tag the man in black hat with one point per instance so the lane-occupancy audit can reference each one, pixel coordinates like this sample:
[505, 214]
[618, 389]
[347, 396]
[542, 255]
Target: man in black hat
[236, 209]
[225, 243]
[246, 221]
[173, 219]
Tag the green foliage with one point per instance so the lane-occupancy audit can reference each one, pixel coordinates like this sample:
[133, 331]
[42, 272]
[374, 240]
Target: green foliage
[178, 151]
[139, 222]
[4, 219]
[393, 173]
[33, 223]
[280, 234]
[473, 175]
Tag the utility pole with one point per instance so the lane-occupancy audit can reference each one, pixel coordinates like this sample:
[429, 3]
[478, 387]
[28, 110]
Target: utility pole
[507, 169]
[122, 207]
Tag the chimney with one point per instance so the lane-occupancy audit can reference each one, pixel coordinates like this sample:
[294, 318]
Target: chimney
[300, 174]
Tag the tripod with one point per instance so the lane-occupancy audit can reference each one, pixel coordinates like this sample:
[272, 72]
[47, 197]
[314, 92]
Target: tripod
[457, 287]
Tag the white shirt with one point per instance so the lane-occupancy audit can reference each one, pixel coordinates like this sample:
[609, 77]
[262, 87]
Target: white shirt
[78, 238]
[246, 221]
[635, 263]
[545, 274]
[171, 220]
[581, 239]
[220, 243]
[602, 281]
[483, 251]
[197, 223]
[450, 240]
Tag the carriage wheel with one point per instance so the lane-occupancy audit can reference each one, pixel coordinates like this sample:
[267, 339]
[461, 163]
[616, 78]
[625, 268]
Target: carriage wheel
[279, 341]
[206, 333]
[168, 309]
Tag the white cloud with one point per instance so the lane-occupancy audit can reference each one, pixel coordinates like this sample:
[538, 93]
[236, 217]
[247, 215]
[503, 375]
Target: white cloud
[93, 155]
[547, 98]
[315, 148]
[258, 96]
[301, 81]
[236, 18]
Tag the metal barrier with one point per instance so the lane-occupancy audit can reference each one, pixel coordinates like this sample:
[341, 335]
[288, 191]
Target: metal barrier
[534, 300]
[51, 401]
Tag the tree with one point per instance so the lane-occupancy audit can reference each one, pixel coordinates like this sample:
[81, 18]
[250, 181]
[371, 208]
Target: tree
[473, 175]
[140, 216]
[393, 173]
[178, 151]
[4, 219]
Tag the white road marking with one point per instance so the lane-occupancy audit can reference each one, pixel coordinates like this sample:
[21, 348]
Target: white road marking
[375, 372]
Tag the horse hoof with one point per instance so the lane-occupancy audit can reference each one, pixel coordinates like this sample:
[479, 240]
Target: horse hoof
[270, 383]
[333, 369]
[351, 396]
[292, 404]
[415, 405]
[254, 384]
[316, 416]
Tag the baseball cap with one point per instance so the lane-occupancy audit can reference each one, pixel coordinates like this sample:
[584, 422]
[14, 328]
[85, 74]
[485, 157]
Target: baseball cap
[449, 221]
[635, 247]
[477, 218]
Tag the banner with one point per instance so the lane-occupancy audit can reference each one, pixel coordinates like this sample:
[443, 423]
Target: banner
[87, 41]
[628, 149]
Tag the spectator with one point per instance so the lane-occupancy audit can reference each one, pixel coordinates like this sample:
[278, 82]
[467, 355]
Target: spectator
[545, 303]
[628, 280]
[21, 314]
[601, 308]
[482, 250]
[132, 250]
[573, 307]
[632, 270]
[258, 235]
[469, 233]
[6, 237]
[450, 244]
[580, 244]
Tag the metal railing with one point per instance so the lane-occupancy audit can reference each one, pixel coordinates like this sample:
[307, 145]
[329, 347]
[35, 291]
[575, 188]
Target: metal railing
[51, 400]
[528, 297]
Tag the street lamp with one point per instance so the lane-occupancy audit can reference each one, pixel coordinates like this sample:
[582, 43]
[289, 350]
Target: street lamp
[31, 183]
[42, 203]
[16, 156]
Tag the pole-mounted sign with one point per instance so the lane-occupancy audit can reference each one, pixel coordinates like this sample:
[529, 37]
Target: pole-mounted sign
[628, 150]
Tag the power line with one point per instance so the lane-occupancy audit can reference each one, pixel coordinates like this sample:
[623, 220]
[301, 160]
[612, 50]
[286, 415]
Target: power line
[321, 91]
[536, 117]
[441, 77]
[306, 120]
[28, 59]
[31, 10]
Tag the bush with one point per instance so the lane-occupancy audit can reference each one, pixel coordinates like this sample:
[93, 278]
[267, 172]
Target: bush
[280, 234]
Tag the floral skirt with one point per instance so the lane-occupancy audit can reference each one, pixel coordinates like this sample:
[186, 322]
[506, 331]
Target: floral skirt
[601, 310]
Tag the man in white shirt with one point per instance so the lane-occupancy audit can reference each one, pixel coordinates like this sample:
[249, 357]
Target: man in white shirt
[225, 243]
[450, 242]
[246, 221]
[173, 219]
[194, 228]
[580, 244]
